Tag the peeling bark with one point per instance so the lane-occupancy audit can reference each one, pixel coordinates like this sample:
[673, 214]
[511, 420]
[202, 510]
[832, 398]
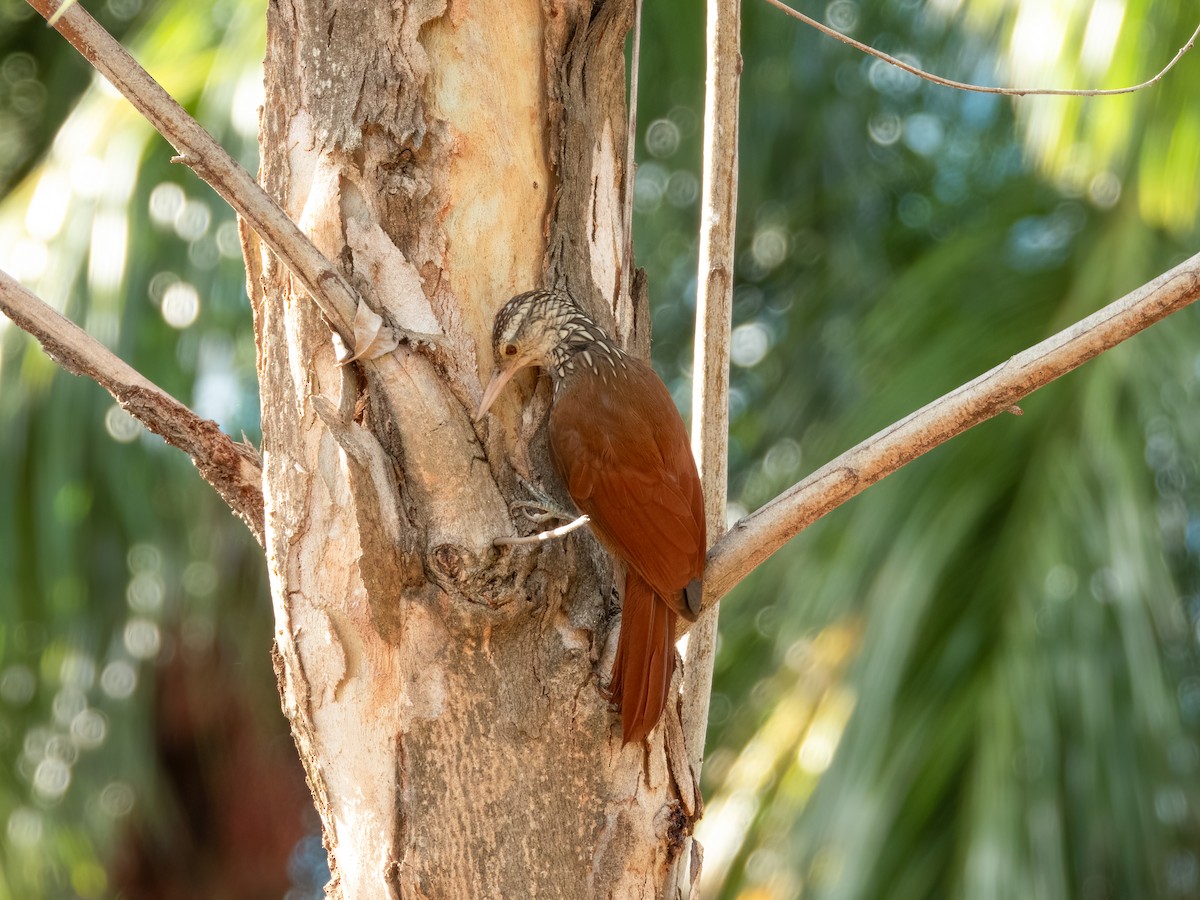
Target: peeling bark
[444, 693]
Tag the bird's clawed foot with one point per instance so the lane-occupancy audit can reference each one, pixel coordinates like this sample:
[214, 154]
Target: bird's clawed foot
[539, 510]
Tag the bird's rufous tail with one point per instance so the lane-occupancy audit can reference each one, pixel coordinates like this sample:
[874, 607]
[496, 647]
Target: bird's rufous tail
[641, 675]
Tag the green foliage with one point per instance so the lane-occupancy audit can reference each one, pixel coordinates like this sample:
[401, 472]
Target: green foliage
[113, 555]
[1091, 146]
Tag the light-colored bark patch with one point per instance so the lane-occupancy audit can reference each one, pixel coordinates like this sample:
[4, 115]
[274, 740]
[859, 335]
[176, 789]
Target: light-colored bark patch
[607, 216]
[395, 281]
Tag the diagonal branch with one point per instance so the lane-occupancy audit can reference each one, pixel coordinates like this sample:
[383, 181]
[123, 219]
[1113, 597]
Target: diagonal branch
[332, 293]
[232, 468]
[983, 89]
[759, 535]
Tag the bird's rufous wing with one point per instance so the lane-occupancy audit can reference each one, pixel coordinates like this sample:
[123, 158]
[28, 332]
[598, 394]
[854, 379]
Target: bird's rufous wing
[623, 451]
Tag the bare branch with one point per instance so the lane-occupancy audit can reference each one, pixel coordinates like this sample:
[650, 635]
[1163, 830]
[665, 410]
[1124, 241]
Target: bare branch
[714, 314]
[760, 534]
[635, 58]
[552, 534]
[232, 468]
[331, 292]
[714, 281]
[982, 89]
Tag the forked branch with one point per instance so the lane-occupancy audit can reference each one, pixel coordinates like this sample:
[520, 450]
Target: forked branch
[232, 468]
[760, 534]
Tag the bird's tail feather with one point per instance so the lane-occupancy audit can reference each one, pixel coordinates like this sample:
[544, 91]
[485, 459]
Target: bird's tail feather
[641, 676]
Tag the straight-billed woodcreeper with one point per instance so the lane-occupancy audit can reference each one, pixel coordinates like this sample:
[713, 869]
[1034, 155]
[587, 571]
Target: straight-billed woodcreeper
[620, 445]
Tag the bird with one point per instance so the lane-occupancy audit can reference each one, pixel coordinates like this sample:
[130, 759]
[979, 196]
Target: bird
[620, 446]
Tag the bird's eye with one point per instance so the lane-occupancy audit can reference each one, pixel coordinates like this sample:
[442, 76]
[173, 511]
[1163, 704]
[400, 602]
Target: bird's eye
[510, 349]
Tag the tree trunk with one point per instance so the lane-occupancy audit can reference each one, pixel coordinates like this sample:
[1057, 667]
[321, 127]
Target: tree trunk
[444, 694]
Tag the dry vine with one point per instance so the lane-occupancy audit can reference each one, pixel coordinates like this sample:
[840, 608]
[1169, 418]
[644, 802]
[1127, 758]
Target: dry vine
[982, 89]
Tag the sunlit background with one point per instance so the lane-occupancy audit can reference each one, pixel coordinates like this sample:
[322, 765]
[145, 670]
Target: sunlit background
[978, 679]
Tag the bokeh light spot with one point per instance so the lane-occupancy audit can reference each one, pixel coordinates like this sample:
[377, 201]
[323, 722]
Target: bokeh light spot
[144, 559]
[749, 344]
[60, 747]
[770, 246]
[124, 9]
[923, 133]
[649, 186]
[25, 827]
[89, 729]
[67, 704]
[159, 284]
[889, 79]
[885, 128]
[915, 211]
[783, 460]
[89, 879]
[662, 138]
[1170, 805]
[18, 67]
[51, 779]
[193, 220]
[842, 15]
[180, 305]
[144, 593]
[816, 752]
[229, 244]
[118, 679]
[17, 685]
[200, 578]
[682, 189]
[166, 200]
[142, 638]
[120, 425]
[117, 799]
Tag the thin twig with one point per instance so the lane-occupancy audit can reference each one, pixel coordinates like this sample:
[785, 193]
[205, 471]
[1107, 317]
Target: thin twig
[714, 315]
[231, 468]
[631, 150]
[760, 534]
[982, 89]
[560, 531]
[331, 292]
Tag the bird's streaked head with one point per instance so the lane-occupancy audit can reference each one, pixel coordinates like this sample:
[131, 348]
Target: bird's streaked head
[537, 328]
